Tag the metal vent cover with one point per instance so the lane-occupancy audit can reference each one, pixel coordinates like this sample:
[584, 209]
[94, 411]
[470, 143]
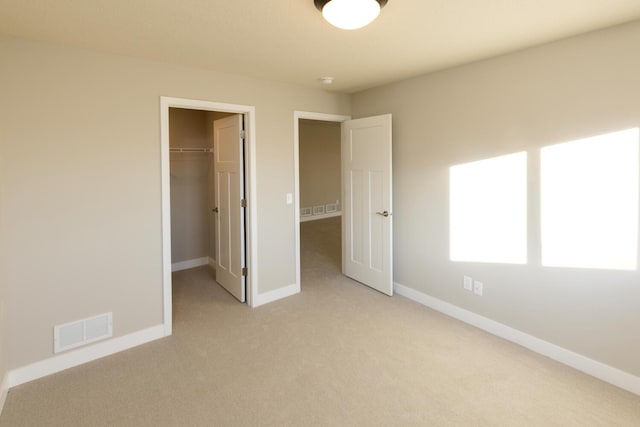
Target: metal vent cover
[81, 332]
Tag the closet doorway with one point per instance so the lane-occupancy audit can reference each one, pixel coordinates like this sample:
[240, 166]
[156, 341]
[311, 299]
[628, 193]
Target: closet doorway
[207, 176]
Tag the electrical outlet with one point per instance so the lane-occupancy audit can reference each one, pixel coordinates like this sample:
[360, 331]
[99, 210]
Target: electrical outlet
[468, 283]
[478, 287]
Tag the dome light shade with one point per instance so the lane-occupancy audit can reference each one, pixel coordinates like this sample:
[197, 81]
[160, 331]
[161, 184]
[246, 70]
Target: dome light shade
[350, 14]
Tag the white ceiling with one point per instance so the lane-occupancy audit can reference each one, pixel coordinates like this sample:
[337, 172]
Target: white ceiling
[288, 40]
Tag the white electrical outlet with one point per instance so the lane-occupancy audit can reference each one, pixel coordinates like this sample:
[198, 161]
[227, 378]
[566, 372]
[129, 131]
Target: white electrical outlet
[477, 287]
[468, 283]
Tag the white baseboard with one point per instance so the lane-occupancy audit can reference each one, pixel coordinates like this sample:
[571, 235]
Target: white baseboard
[577, 361]
[190, 263]
[83, 355]
[268, 297]
[321, 216]
[4, 389]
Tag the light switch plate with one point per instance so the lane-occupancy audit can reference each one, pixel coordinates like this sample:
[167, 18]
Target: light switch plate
[289, 198]
[478, 287]
[468, 283]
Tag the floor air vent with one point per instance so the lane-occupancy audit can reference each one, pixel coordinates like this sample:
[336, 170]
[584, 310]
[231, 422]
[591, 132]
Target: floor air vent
[74, 334]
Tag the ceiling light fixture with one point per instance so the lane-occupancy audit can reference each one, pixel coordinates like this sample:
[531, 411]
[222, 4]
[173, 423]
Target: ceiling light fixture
[350, 14]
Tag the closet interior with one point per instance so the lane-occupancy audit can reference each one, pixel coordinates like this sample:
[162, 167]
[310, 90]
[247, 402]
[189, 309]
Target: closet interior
[192, 187]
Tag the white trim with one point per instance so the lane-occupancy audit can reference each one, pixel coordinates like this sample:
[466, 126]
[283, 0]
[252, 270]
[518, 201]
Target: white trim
[84, 355]
[212, 262]
[577, 361]
[323, 216]
[4, 389]
[277, 294]
[249, 113]
[251, 219]
[190, 263]
[297, 115]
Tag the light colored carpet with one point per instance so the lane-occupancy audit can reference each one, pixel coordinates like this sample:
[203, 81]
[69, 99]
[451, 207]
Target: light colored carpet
[338, 354]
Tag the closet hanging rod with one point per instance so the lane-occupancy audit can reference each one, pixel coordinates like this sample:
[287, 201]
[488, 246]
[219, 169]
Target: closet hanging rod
[190, 150]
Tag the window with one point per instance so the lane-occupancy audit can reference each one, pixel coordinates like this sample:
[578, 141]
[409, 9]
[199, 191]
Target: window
[589, 202]
[488, 210]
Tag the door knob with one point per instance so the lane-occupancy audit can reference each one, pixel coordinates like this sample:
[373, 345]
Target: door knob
[385, 213]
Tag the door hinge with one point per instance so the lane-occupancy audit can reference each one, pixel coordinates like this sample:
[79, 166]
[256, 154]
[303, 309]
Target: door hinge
[245, 271]
[243, 134]
[243, 203]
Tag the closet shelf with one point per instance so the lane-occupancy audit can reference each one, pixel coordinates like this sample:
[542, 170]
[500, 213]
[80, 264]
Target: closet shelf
[190, 150]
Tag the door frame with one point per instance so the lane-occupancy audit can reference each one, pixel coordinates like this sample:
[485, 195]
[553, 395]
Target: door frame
[297, 115]
[249, 113]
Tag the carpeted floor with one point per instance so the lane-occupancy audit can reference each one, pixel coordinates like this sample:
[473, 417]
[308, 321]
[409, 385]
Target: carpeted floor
[338, 354]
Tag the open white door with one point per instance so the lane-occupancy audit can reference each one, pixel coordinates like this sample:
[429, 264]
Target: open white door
[229, 199]
[367, 221]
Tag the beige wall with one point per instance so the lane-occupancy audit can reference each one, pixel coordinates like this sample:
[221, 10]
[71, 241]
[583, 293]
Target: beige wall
[81, 232]
[571, 89]
[188, 128]
[320, 165]
[3, 291]
[190, 185]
